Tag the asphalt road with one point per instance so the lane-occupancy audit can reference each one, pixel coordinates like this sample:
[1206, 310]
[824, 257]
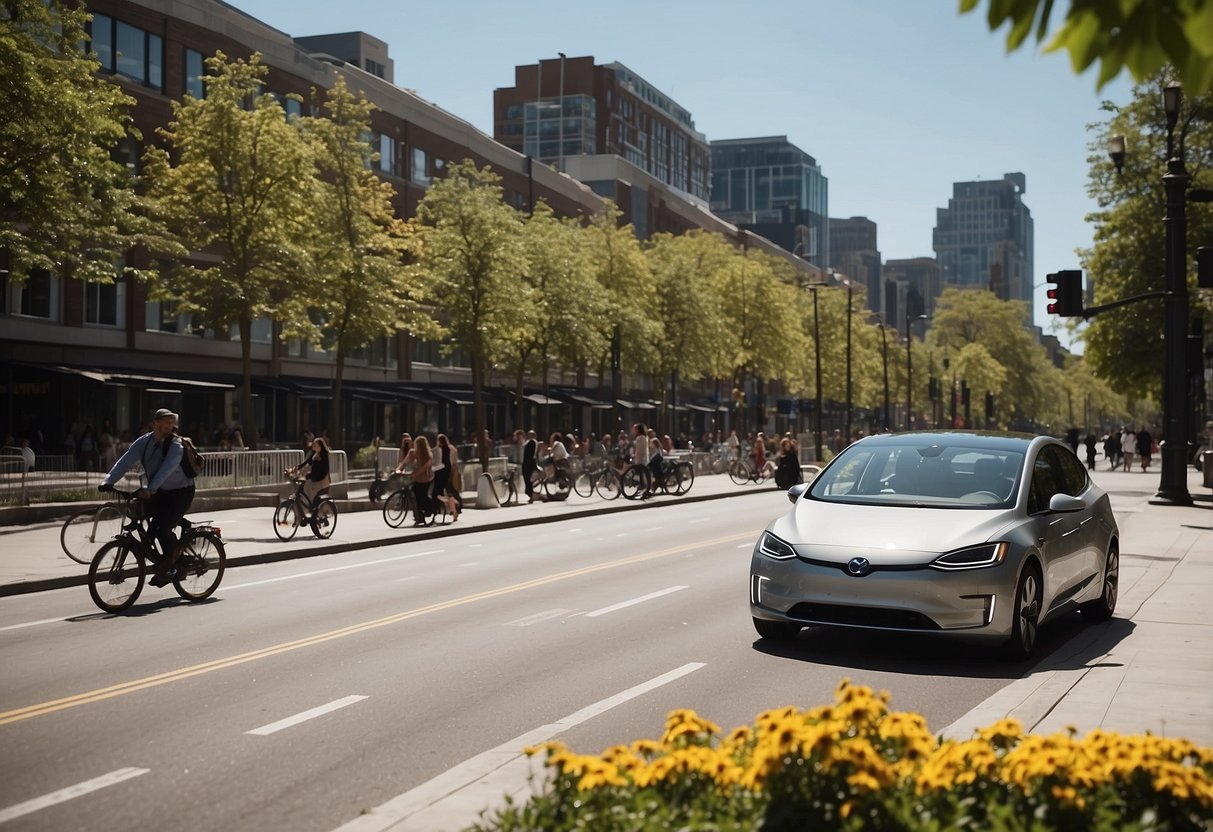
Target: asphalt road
[308, 691]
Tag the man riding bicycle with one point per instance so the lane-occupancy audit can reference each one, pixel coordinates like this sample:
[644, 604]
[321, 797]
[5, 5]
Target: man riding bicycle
[169, 491]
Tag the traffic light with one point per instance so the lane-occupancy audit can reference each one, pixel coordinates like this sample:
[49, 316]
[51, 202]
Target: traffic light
[1066, 294]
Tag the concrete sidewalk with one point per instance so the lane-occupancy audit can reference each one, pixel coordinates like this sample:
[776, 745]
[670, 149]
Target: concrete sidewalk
[1150, 669]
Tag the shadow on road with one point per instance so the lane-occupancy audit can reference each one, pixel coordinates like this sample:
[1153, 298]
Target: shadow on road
[1064, 644]
[140, 610]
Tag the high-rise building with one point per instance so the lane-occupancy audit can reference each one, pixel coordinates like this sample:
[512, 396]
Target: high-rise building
[984, 238]
[911, 287]
[854, 252]
[565, 108]
[775, 189]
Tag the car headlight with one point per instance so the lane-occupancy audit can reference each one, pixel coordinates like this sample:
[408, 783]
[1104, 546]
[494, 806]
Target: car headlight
[974, 557]
[773, 547]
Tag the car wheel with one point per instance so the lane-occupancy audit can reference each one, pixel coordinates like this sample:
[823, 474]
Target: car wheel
[1026, 614]
[1102, 608]
[776, 630]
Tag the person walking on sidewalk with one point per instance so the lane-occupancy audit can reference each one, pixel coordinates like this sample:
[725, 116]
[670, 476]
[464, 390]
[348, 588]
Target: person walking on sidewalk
[1145, 443]
[1128, 447]
[1090, 444]
[169, 491]
[1111, 450]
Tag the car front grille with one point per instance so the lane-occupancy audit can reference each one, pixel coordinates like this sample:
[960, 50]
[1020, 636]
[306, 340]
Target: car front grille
[879, 617]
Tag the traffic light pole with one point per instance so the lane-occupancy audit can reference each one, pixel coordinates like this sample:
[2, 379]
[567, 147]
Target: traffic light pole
[1173, 486]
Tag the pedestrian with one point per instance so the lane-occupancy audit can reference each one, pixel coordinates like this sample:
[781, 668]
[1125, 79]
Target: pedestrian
[1089, 442]
[787, 464]
[423, 478]
[1128, 447]
[444, 466]
[528, 460]
[1111, 449]
[402, 458]
[27, 455]
[1145, 443]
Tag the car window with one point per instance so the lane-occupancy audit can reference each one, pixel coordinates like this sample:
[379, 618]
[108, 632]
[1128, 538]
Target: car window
[1044, 482]
[1076, 478]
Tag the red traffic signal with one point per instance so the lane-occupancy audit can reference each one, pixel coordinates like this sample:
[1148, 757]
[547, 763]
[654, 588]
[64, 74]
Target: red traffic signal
[1065, 296]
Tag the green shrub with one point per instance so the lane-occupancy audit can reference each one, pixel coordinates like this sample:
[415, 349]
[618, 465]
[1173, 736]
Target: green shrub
[365, 457]
[855, 765]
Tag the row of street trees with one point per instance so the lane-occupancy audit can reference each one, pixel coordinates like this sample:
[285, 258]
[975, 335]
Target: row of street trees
[249, 215]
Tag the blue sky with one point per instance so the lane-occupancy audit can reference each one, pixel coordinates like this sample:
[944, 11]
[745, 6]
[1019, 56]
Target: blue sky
[896, 99]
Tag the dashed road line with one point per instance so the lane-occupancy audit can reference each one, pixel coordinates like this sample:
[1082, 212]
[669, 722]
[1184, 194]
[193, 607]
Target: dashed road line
[291, 721]
[69, 793]
[623, 604]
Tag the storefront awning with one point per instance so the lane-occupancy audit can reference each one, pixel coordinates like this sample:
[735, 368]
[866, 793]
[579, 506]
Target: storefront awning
[539, 398]
[636, 405]
[120, 378]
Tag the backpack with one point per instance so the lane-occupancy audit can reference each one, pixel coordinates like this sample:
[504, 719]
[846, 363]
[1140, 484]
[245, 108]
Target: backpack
[191, 459]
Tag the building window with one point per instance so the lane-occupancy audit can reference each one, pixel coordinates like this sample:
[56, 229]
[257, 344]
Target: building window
[419, 170]
[375, 68]
[39, 295]
[128, 50]
[389, 161]
[195, 68]
[105, 303]
[167, 316]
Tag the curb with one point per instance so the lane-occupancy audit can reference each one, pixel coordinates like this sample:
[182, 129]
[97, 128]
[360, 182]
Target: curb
[46, 584]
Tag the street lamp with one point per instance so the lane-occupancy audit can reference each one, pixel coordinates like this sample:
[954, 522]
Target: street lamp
[910, 370]
[1173, 485]
[884, 356]
[813, 287]
[850, 289]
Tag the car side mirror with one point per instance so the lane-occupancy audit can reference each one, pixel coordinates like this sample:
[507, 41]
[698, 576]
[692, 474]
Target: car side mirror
[1066, 503]
[796, 490]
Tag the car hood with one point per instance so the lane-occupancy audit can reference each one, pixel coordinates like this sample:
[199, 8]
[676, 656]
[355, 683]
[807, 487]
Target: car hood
[886, 535]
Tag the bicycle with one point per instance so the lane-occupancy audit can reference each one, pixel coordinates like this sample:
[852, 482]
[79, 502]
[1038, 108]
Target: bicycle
[677, 477]
[116, 573]
[84, 530]
[294, 511]
[399, 504]
[557, 484]
[742, 472]
[602, 478]
[505, 485]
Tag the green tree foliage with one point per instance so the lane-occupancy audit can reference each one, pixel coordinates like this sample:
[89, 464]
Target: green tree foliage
[1124, 345]
[621, 269]
[65, 204]
[966, 317]
[1140, 35]
[360, 287]
[470, 254]
[238, 185]
[685, 269]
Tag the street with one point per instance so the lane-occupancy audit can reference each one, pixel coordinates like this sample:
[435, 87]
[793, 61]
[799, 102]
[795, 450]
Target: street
[309, 691]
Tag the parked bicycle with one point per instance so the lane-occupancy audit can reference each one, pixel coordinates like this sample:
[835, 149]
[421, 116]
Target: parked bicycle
[677, 477]
[297, 510]
[602, 478]
[88, 529]
[116, 573]
[505, 485]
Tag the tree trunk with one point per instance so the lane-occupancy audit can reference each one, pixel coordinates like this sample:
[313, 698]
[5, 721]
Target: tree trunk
[247, 418]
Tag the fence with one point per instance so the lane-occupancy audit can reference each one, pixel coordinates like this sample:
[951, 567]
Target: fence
[53, 476]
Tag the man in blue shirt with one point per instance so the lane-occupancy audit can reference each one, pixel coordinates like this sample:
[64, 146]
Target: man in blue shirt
[169, 491]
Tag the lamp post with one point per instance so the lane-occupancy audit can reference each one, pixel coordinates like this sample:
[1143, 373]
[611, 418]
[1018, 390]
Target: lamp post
[847, 420]
[1173, 485]
[884, 357]
[910, 370]
[813, 287]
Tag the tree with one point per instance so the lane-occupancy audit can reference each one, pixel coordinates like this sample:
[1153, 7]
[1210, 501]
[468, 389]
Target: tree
[1141, 35]
[1124, 345]
[470, 255]
[565, 298]
[360, 287]
[66, 205]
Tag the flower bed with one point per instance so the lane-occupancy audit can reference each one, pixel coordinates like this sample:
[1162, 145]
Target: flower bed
[856, 765]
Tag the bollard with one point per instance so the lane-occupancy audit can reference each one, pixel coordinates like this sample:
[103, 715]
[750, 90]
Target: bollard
[486, 494]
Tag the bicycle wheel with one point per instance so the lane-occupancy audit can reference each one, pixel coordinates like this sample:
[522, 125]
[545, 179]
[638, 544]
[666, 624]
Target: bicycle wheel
[686, 477]
[634, 482]
[740, 473]
[324, 518]
[286, 519]
[557, 486]
[398, 507]
[200, 566]
[583, 483]
[87, 531]
[502, 487]
[608, 485]
[115, 576]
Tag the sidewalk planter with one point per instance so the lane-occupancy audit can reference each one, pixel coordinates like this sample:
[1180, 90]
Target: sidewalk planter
[856, 765]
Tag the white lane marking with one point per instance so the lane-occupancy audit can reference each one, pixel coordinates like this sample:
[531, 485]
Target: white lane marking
[274, 727]
[538, 617]
[746, 546]
[700, 520]
[570, 531]
[31, 624]
[475, 545]
[470, 772]
[634, 601]
[78, 790]
[226, 588]
[653, 529]
[622, 534]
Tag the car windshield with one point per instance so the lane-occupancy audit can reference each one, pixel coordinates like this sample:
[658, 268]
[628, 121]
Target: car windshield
[922, 474]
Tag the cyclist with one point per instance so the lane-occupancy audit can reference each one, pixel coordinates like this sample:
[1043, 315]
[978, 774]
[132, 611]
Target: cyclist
[318, 479]
[169, 491]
